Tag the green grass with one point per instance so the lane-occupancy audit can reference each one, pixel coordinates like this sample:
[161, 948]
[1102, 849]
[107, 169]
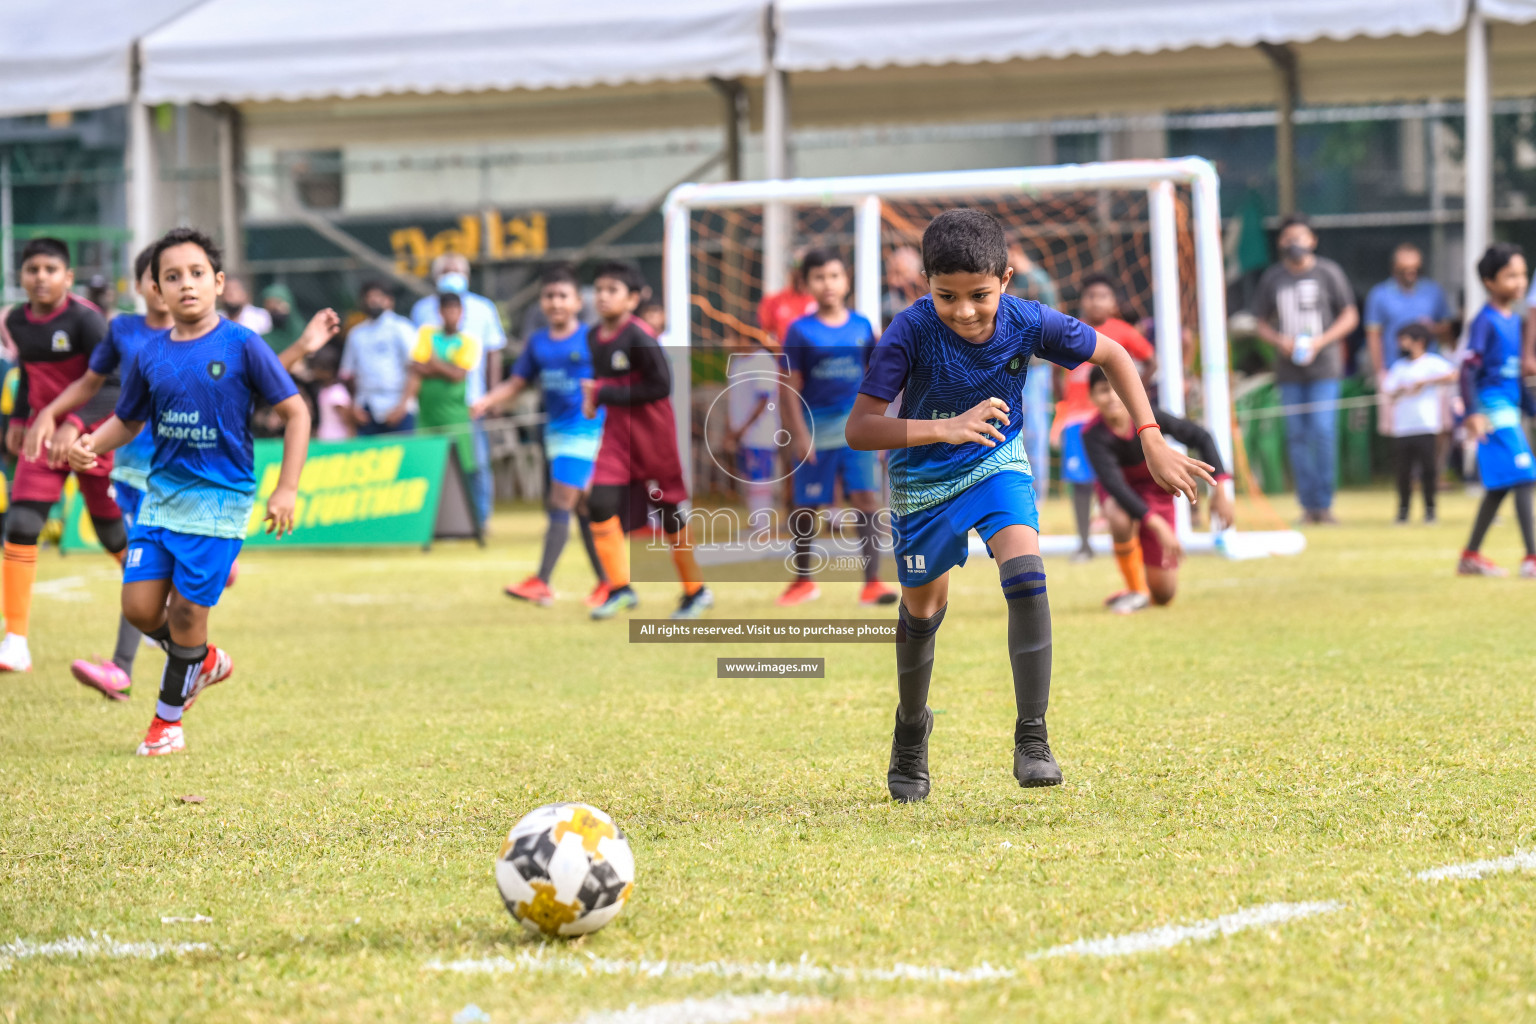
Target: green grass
[1315, 728]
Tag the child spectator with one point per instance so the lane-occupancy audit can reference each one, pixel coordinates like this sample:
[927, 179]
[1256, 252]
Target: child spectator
[332, 399]
[443, 358]
[1414, 382]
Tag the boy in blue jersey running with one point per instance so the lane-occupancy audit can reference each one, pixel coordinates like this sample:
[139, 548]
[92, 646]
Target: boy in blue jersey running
[559, 359]
[193, 386]
[125, 333]
[1494, 396]
[959, 357]
[826, 353]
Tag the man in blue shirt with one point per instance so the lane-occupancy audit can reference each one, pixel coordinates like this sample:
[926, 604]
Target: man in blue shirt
[826, 353]
[559, 358]
[483, 321]
[376, 362]
[958, 358]
[1404, 298]
[192, 387]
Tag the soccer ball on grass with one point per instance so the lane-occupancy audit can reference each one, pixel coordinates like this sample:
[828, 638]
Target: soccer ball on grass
[565, 869]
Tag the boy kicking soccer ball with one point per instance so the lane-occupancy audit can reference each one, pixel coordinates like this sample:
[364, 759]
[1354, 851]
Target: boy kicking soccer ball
[958, 357]
[193, 386]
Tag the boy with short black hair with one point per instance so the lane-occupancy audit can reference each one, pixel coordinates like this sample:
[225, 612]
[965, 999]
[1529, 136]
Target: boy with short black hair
[558, 358]
[55, 333]
[440, 365]
[827, 353]
[194, 385]
[1414, 381]
[958, 357]
[1495, 395]
[632, 380]
[1140, 513]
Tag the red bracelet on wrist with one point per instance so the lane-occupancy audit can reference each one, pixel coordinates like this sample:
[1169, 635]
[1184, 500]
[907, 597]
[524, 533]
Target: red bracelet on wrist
[1149, 426]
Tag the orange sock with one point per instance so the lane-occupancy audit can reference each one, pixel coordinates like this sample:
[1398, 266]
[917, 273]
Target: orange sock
[20, 571]
[687, 565]
[1128, 557]
[608, 538]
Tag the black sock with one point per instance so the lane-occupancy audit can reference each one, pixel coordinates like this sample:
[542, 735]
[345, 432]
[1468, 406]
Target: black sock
[555, 534]
[1485, 513]
[1029, 633]
[585, 523]
[870, 547]
[914, 662]
[1523, 513]
[161, 635]
[1082, 511]
[182, 664]
[127, 649]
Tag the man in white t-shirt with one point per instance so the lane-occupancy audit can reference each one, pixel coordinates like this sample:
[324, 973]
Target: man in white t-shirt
[1416, 384]
[753, 379]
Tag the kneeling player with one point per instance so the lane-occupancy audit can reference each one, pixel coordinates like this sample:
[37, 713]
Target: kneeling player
[193, 386]
[1140, 512]
[827, 353]
[633, 383]
[958, 357]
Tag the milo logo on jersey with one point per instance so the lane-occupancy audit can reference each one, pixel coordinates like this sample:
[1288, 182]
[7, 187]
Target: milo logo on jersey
[188, 427]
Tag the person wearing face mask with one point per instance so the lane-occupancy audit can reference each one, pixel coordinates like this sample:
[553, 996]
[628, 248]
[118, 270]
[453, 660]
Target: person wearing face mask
[1407, 297]
[481, 318]
[376, 365]
[287, 325]
[1305, 308]
[237, 306]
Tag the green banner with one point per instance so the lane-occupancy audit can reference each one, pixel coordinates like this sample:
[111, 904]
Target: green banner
[369, 491]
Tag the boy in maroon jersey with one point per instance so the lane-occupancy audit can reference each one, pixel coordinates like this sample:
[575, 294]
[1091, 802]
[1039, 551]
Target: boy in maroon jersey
[633, 381]
[54, 332]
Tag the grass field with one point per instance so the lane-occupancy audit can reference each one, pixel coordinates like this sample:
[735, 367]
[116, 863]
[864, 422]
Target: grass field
[1309, 730]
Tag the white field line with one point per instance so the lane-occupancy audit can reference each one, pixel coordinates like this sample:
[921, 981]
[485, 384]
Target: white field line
[803, 970]
[1172, 935]
[716, 1010]
[95, 946]
[1478, 868]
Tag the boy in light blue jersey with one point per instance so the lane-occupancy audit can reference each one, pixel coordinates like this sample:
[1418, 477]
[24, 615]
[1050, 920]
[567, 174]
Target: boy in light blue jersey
[193, 386]
[559, 359]
[126, 332]
[958, 357]
[826, 353]
[1495, 396]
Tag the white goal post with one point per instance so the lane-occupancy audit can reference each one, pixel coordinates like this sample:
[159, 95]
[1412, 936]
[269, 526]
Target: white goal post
[865, 194]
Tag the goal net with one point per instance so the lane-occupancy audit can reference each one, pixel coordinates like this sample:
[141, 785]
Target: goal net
[1151, 226]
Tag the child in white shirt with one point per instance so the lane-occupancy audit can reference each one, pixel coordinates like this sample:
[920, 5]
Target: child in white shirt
[1415, 385]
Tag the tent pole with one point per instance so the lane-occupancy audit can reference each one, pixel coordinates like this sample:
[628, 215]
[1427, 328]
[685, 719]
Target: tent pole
[1479, 157]
[7, 231]
[143, 175]
[1284, 60]
[229, 203]
[776, 228]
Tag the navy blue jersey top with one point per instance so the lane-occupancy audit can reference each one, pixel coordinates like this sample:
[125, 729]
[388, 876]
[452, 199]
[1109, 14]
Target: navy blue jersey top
[832, 361]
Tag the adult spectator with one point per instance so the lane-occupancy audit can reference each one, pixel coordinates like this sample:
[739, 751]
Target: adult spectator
[782, 308]
[450, 273]
[1030, 281]
[904, 281]
[237, 306]
[1402, 299]
[376, 363]
[1305, 309]
[287, 325]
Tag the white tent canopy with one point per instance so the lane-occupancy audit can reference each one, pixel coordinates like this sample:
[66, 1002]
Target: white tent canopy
[75, 57]
[243, 50]
[822, 35]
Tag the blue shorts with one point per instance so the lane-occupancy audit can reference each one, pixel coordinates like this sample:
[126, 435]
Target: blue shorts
[1075, 467]
[1504, 459]
[816, 484]
[128, 499]
[757, 465]
[571, 471]
[197, 566]
[929, 543]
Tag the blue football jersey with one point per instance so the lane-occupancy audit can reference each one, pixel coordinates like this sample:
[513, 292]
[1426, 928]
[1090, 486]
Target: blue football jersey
[194, 398]
[832, 361]
[1493, 351]
[559, 366]
[126, 333]
[939, 374]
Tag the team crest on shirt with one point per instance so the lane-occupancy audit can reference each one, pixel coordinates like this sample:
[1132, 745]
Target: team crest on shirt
[575, 357]
[1015, 366]
[216, 369]
[620, 362]
[61, 341]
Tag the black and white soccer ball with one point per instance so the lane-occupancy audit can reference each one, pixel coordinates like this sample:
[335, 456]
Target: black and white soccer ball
[565, 869]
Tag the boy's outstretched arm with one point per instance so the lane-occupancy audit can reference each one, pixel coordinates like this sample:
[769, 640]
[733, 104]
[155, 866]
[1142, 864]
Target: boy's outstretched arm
[870, 429]
[81, 390]
[1173, 472]
[110, 436]
[285, 497]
